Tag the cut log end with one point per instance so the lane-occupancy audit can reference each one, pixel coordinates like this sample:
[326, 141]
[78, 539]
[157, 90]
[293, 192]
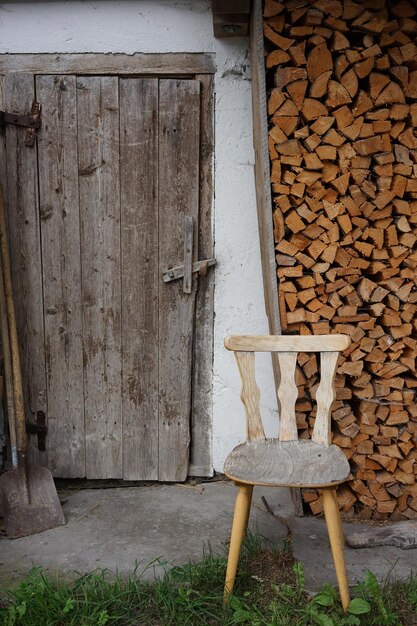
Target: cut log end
[343, 144]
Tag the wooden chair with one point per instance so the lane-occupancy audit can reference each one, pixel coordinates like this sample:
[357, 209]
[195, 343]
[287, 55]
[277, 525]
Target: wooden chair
[287, 461]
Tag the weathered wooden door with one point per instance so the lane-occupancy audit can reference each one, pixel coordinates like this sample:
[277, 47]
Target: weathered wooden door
[97, 212]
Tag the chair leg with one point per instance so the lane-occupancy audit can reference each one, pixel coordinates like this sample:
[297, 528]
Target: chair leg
[240, 520]
[332, 516]
[342, 536]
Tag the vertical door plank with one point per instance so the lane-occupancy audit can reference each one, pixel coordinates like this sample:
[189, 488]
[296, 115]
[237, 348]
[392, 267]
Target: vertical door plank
[179, 124]
[60, 228]
[201, 414]
[140, 275]
[98, 168]
[23, 217]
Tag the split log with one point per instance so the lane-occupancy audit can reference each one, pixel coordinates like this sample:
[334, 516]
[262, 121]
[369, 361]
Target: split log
[343, 146]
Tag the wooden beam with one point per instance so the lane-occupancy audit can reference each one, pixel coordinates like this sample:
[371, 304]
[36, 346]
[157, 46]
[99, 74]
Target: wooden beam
[263, 192]
[201, 463]
[262, 175]
[231, 18]
[98, 63]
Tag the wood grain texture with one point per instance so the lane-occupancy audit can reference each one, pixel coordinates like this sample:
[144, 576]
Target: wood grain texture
[88, 287]
[20, 169]
[342, 118]
[179, 125]
[334, 529]
[287, 463]
[324, 397]
[138, 63]
[288, 343]
[7, 379]
[188, 254]
[262, 170]
[98, 167]
[79, 329]
[174, 273]
[239, 526]
[3, 172]
[60, 235]
[287, 396]
[201, 414]
[16, 371]
[140, 275]
[262, 178]
[263, 190]
[250, 395]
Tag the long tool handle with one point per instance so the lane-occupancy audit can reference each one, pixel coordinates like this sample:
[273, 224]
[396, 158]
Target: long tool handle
[7, 369]
[21, 438]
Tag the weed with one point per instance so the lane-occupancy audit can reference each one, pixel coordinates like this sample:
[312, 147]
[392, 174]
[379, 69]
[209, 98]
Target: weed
[191, 595]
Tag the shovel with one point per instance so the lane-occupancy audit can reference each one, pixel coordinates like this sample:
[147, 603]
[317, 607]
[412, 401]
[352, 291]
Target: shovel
[7, 365]
[27, 492]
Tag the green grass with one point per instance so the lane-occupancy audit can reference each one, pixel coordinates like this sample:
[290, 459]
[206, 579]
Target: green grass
[269, 592]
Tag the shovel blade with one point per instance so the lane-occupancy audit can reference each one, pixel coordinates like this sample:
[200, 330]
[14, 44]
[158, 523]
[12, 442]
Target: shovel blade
[30, 501]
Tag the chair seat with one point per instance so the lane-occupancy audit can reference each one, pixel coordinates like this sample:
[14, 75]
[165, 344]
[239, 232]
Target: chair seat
[287, 463]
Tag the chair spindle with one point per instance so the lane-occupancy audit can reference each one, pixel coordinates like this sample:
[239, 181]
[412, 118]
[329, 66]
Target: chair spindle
[250, 395]
[287, 396]
[324, 398]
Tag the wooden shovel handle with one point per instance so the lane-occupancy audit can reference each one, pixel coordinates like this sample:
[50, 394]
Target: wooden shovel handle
[7, 368]
[21, 438]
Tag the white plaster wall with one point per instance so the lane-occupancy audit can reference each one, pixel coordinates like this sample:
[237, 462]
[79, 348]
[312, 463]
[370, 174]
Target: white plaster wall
[183, 26]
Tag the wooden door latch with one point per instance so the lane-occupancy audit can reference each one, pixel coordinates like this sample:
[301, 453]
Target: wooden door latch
[31, 121]
[189, 268]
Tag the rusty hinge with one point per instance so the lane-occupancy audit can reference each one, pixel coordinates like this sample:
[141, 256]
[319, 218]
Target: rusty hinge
[40, 429]
[31, 122]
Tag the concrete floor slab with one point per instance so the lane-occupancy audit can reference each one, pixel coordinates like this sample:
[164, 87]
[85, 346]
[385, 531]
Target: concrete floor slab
[117, 529]
[311, 546]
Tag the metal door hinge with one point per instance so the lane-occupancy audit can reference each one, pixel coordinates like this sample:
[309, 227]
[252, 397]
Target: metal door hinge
[31, 121]
[40, 429]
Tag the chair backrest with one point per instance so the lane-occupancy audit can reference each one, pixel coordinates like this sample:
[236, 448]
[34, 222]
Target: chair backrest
[287, 348]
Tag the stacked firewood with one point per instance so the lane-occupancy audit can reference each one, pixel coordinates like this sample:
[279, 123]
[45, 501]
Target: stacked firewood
[342, 105]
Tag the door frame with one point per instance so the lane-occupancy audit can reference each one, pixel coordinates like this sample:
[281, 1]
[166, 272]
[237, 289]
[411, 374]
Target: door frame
[201, 67]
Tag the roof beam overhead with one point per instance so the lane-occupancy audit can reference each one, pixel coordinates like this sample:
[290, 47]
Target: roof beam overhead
[231, 18]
